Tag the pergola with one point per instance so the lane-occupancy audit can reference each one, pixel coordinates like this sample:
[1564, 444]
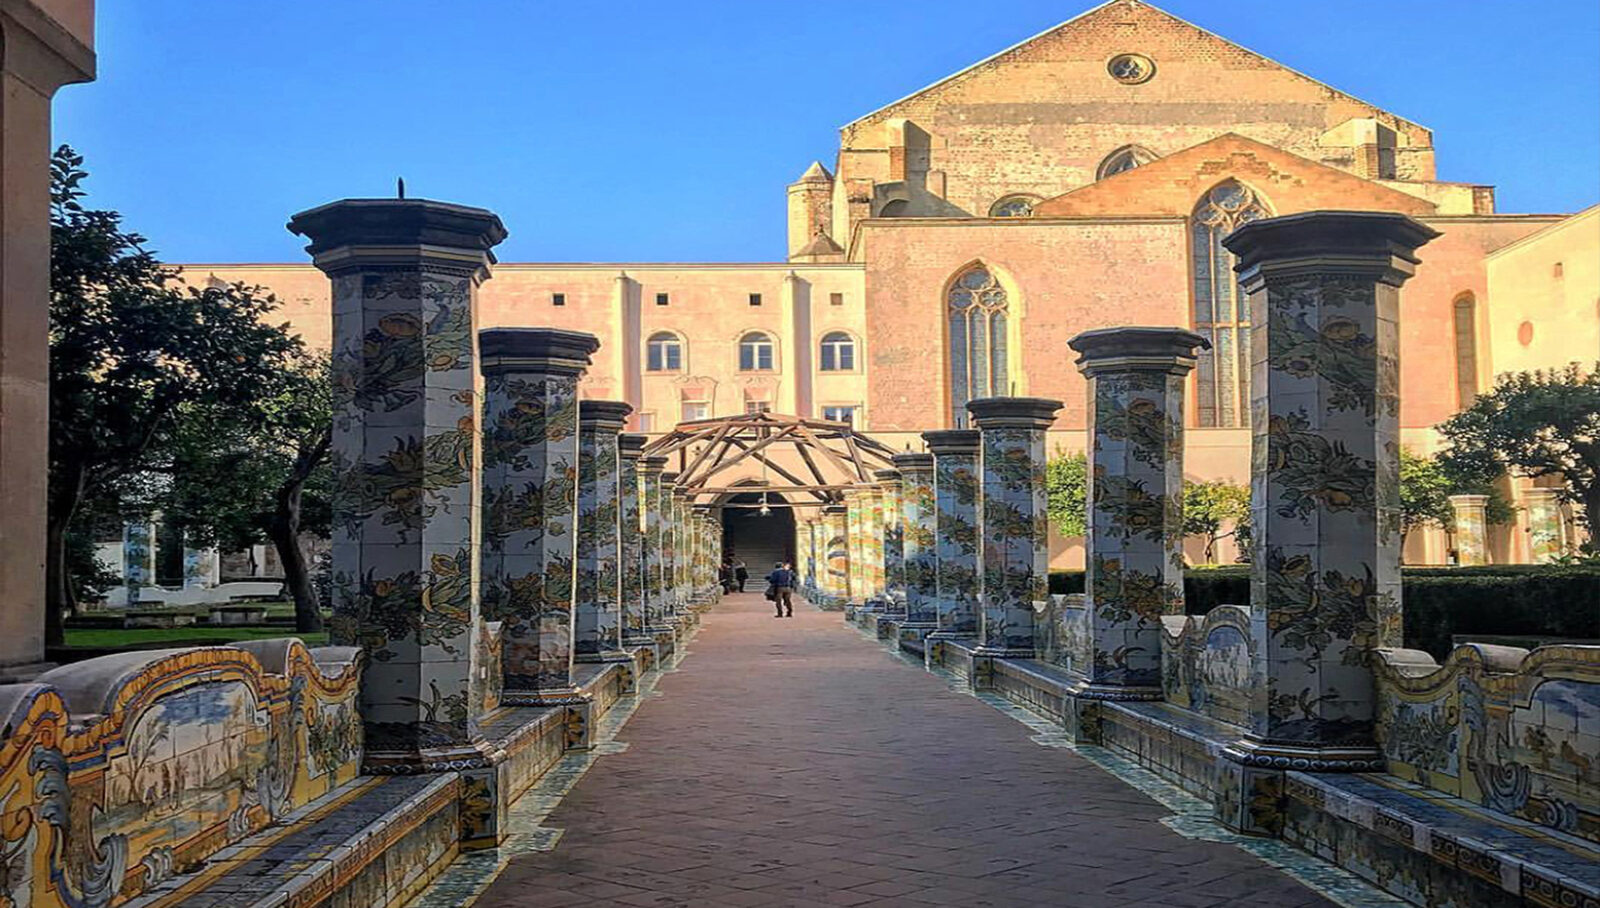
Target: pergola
[829, 457]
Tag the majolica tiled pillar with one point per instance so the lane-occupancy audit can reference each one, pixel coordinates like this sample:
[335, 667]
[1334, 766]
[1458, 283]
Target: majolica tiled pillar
[855, 539]
[919, 538]
[138, 558]
[1471, 514]
[404, 277]
[874, 543]
[956, 490]
[894, 576]
[836, 551]
[654, 541]
[598, 624]
[530, 503]
[1546, 535]
[1135, 497]
[670, 607]
[635, 620]
[1014, 519]
[1324, 291]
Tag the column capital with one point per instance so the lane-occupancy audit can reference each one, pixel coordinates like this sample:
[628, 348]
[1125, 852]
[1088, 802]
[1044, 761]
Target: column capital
[352, 234]
[630, 445]
[549, 350]
[912, 461]
[1013, 412]
[835, 509]
[1137, 349]
[886, 475]
[1376, 244]
[1468, 501]
[952, 441]
[654, 463]
[605, 415]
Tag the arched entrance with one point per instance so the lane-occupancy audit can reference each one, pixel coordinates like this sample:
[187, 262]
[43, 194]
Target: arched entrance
[758, 530]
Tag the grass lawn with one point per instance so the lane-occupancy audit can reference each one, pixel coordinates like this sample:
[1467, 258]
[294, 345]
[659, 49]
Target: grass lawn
[182, 636]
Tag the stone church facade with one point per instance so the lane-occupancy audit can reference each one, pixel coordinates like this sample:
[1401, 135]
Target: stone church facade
[1080, 179]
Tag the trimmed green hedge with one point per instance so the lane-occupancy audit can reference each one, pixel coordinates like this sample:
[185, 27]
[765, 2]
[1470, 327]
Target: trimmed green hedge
[1512, 600]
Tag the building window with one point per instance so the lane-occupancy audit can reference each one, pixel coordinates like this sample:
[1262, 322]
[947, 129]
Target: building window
[836, 299]
[755, 352]
[696, 409]
[1123, 159]
[1556, 271]
[845, 413]
[755, 299]
[647, 422]
[1013, 206]
[1466, 327]
[757, 406]
[662, 299]
[1131, 69]
[1222, 374]
[663, 352]
[558, 299]
[976, 307]
[838, 352]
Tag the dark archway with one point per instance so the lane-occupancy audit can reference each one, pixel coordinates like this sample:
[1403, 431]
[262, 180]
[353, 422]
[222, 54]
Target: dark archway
[757, 538]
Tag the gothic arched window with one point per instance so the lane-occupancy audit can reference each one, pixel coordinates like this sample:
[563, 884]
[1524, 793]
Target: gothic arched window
[976, 309]
[1013, 206]
[1222, 374]
[1125, 158]
[663, 352]
[755, 352]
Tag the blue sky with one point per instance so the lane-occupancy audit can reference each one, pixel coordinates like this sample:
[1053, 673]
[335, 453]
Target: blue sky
[654, 131]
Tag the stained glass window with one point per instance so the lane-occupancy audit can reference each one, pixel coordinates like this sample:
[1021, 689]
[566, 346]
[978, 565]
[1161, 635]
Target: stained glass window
[976, 309]
[1013, 206]
[1221, 313]
[1123, 159]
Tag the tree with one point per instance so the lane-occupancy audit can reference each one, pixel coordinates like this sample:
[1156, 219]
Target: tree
[1425, 490]
[1537, 424]
[131, 347]
[1066, 483]
[1210, 506]
[241, 476]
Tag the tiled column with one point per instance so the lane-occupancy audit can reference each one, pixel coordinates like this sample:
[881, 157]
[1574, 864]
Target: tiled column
[1546, 536]
[855, 545]
[597, 626]
[404, 278]
[1137, 381]
[956, 489]
[530, 479]
[836, 551]
[894, 567]
[683, 550]
[199, 568]
[919, 538]
[138, 558]
[1471, 514]
[654, 541]
[874, 543]
[635, 619]
[1324, 291]
[668, 504]
[1014, 520]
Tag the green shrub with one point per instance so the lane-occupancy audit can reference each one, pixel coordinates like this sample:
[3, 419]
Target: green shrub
[1441, 603]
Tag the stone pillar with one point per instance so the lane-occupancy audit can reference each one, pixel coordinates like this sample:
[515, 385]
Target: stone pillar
[956, 488]
[654, 542]
[405, 274]
[874, 552]
[199, 568]
[855, 545]
[138, 559]
[1324, 291]
[635, 617]
[894, 568]
[1137, 382]
[836, 550]
[683, 550]
[919, 540]
[597, 626]
[668, 505]
[42, 47]
[1471, 534]
[1546, 535]
[530, 502]
[1014, 520]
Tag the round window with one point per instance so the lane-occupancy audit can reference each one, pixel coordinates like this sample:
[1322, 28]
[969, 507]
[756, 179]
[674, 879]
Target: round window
[1131, 69]
[1525, 333]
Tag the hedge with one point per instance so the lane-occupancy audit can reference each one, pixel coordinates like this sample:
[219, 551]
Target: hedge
[1548, 602]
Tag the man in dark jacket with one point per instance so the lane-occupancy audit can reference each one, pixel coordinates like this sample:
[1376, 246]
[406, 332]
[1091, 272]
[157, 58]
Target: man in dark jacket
[782, 582]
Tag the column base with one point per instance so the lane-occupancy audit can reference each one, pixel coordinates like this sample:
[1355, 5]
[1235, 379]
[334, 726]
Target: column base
[1305, 757]
[424, 759]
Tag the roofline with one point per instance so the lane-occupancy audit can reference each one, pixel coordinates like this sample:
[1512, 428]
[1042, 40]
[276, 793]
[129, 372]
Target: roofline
[573, 266]
[955, 75]
[1566, 219]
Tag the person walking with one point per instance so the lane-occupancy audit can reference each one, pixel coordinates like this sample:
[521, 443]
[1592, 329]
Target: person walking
[740, 573]
[781, 590]
[725, 576]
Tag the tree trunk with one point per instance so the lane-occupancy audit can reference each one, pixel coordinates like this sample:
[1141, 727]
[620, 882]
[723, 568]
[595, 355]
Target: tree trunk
[58, 590]
[285, 533]
[1591, 518]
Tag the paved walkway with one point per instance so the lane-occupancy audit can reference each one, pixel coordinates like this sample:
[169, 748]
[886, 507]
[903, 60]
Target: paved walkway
[795, 763]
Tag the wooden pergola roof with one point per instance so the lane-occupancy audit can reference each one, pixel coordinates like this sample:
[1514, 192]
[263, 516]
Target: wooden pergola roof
[834, 457]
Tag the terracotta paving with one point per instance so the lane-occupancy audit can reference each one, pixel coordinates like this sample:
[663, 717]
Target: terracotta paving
[794, 763]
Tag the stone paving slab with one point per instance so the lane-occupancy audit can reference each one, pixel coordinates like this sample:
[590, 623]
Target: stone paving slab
[792, 763]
